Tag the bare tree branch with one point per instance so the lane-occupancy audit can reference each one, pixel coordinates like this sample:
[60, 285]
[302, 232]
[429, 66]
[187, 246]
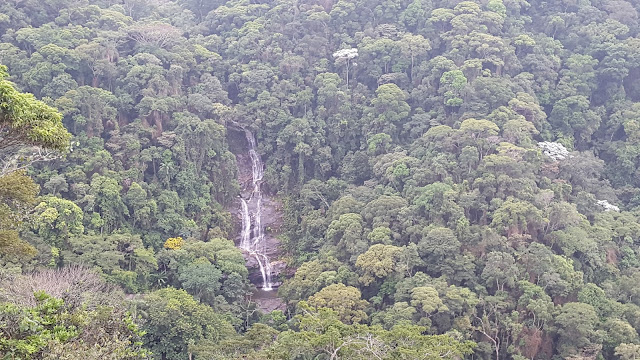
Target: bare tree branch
[24, 158]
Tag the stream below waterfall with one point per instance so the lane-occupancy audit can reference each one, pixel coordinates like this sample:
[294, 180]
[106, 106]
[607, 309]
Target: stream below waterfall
[252, 236]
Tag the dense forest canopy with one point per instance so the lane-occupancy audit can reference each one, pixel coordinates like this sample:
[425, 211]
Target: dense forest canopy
[457, 179]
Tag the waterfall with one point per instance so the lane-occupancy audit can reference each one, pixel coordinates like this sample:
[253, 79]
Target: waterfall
[245, 236]
[253, 242]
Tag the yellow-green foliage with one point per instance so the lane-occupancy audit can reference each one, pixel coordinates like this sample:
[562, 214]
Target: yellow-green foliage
[174, 243]
[27, 121]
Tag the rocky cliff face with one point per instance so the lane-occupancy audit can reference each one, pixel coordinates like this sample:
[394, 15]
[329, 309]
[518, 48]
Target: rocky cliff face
[272, 221]
[270, 214]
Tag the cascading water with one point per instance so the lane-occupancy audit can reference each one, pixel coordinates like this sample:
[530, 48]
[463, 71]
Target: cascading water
[246, 226]
[253, 242]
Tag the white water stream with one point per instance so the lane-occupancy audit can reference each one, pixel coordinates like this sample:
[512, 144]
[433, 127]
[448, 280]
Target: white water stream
[254, 242]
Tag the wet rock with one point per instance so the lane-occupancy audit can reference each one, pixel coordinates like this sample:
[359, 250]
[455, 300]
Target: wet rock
[267, 301]
[271, 220]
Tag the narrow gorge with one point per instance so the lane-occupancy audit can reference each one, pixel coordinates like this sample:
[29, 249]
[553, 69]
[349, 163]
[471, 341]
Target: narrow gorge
[252, 239]
[260, 218]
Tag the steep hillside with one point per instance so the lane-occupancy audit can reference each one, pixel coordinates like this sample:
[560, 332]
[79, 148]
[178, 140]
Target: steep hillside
[458, 178]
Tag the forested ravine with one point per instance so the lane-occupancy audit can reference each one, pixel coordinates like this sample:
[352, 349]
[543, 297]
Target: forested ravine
[446, 177]
[258, 213]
